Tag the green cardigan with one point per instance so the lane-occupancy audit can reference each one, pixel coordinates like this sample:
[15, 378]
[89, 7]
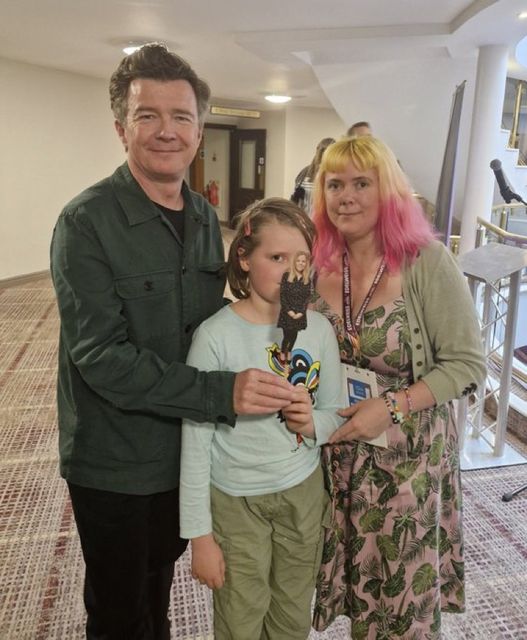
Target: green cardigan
[447, 351]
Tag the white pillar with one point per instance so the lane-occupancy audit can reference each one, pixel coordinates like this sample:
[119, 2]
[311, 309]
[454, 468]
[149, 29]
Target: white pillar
[484, 140]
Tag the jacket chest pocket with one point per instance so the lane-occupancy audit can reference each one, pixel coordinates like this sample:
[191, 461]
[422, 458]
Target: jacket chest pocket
[209, 288]
[150, 304]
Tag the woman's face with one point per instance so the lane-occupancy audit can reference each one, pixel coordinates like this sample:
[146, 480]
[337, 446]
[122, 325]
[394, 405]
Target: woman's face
[300, 263]
[352, 201]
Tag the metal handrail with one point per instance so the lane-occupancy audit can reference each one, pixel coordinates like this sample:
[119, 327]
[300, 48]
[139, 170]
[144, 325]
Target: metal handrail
[501, 233]
[511, 205]
[518, 239]
[506, 211]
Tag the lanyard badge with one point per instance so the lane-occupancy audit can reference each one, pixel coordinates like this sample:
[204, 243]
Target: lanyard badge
[351, 326]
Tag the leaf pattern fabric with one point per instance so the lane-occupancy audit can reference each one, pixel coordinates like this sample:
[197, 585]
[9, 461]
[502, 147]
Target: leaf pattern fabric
[393, 557]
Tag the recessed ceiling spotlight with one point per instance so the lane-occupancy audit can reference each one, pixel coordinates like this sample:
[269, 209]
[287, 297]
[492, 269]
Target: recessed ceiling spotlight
[130, 48]
[522, 15]
[277, 99]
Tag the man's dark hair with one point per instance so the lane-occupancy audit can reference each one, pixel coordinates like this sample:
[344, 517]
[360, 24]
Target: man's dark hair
[155, 62]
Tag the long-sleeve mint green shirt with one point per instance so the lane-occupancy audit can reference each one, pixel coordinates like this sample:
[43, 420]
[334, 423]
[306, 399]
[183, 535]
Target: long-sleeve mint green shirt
[260, 455]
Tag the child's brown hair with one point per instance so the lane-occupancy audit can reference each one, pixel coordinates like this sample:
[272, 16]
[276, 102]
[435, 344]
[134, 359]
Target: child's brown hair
[248, 225]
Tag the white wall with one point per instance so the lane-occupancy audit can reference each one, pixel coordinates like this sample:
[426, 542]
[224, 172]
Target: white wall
[292, 136]
[305, 128]
[408, 104]
[216, 166]
[57, 138]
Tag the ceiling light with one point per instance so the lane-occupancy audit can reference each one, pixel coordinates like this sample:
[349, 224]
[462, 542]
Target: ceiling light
[522, 15]
[277, 99]
[131, 48]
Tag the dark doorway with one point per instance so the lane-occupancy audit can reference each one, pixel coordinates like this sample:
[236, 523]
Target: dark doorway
[196, 169]
[247, 169]
[246, 180]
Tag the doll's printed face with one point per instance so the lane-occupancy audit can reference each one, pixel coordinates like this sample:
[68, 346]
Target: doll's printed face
[300, 263]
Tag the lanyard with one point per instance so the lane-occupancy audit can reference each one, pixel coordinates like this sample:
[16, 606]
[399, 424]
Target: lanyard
[352, 327]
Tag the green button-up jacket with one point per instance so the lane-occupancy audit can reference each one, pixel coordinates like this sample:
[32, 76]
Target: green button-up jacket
[130, 295]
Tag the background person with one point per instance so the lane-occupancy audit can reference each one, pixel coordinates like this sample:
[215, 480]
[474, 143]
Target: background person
[253, 498]
[137, 263]
[400, 308]
[304, 181]
[361, 128]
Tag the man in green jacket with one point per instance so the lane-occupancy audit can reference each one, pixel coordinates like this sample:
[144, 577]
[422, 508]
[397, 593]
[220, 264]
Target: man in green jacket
[137, 263]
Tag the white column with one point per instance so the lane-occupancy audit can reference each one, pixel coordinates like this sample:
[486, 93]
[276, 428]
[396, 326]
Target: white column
[484, 140]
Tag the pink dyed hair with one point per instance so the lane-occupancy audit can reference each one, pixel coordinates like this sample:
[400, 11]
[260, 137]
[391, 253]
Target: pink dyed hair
[402, 228]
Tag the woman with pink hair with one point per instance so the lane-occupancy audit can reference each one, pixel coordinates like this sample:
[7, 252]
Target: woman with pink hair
[409, 334]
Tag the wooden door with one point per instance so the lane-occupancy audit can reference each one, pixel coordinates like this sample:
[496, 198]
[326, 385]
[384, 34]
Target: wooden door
[247, 169]
[197, 169]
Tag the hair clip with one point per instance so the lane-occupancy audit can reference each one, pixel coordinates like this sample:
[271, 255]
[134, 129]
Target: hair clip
[247, 228]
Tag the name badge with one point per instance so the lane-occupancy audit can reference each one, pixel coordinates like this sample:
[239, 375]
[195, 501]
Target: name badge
[361, 384]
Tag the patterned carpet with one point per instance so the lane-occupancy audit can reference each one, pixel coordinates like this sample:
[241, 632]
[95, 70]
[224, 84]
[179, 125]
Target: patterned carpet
[41, 568]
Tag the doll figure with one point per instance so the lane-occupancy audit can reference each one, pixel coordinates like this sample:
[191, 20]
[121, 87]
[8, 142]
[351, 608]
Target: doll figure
[295, 290]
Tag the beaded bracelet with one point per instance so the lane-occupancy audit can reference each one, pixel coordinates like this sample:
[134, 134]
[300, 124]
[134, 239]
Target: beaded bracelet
[396, 414]
[408, 399]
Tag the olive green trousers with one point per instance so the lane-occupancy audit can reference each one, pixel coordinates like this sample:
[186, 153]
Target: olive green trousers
[272, 546]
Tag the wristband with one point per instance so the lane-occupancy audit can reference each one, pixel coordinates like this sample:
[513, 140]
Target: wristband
[408, 399]
[396, 414]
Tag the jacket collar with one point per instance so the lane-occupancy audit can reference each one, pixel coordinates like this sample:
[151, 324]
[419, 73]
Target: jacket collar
[138, 207]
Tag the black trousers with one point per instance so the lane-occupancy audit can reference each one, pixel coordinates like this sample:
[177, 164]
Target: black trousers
[288, 341]
[130, 544]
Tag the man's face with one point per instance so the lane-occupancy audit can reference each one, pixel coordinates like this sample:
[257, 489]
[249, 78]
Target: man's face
[162, 133]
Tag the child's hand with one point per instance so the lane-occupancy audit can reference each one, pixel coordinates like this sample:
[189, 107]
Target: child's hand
[299, 414]
[208, 565]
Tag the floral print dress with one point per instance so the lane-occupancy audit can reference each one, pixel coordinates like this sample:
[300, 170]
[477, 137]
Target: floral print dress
[393, 557]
